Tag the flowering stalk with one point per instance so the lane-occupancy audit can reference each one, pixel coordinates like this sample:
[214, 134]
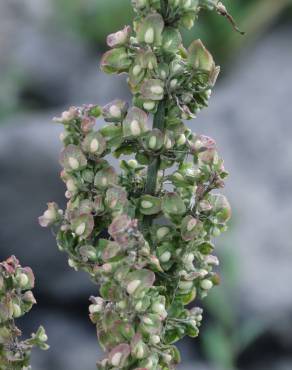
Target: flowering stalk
[144, 234]
[16, 299]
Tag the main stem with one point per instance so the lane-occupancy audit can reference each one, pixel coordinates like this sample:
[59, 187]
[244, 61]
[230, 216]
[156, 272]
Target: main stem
[153, 168]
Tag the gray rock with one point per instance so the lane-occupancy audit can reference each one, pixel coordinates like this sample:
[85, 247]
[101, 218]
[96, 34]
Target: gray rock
[29, 151]
[73, 347]
[250, 117]
[43, 62]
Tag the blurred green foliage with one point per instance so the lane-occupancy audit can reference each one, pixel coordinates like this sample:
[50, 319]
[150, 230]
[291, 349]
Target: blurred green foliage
[95, 19]
[227, 334]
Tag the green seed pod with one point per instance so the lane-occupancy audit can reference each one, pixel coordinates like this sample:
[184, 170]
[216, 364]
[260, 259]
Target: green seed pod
[98, 206]
[94, 143]
[173, 204]
[220, 207]
[163, 232]
[150, 205]
[116, 198]
[135, 122]
[72, 158]
[154, 140]
[163, 71]
[191, 228]
[111, 251]
[111, 131]
[149, 30]
[200, 58]
[152, 89]
[139, 349]
[171, 40]
[116, 61]
[150, 324]
[25, 277]
[115, 111]
[82, 225]
[149, 105]
[105, 178]
[88, 253]
[139, 281]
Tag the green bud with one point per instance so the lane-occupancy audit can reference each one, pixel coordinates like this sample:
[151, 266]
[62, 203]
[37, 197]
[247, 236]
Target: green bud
[206, 284]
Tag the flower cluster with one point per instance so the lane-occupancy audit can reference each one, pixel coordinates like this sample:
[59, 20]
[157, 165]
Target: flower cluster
[16, 299]
[145, 233]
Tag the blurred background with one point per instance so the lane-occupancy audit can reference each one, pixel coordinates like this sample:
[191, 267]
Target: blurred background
[49, 57]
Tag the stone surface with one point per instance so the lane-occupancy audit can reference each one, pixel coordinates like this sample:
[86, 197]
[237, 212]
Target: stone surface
[250, 118]
[43, 63]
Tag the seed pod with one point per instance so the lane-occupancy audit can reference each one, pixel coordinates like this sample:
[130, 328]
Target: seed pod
[171, 40]
[149, 30]
[150, 205]
[118, 356]
[150, 324]
[105, 178]
[139, 281]
[114, 112]
[149, 105]
[135, 122]
[94, 143]
[200, 58]
[72, 158]
[25, 277]
[220, 207]
[145, 61]
[83, 225]
[116, 61]
[116, 198]
[111, 250]
[173, 204]
[88, 253]
[119, 38]
[154, 140]
[191, 228]
[152, 89]
[162, 232]
[50, 216]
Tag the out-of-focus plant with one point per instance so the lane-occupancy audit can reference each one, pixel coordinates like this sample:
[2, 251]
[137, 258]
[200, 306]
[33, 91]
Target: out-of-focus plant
[94, 21]
[227, 335]
[159, 211]
[16, 299]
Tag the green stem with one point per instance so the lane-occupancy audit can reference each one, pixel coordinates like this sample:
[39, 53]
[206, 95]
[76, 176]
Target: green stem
[151, 180]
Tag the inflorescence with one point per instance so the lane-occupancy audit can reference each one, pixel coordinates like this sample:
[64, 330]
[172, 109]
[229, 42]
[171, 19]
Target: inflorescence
[144, 233]
[16, 299]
